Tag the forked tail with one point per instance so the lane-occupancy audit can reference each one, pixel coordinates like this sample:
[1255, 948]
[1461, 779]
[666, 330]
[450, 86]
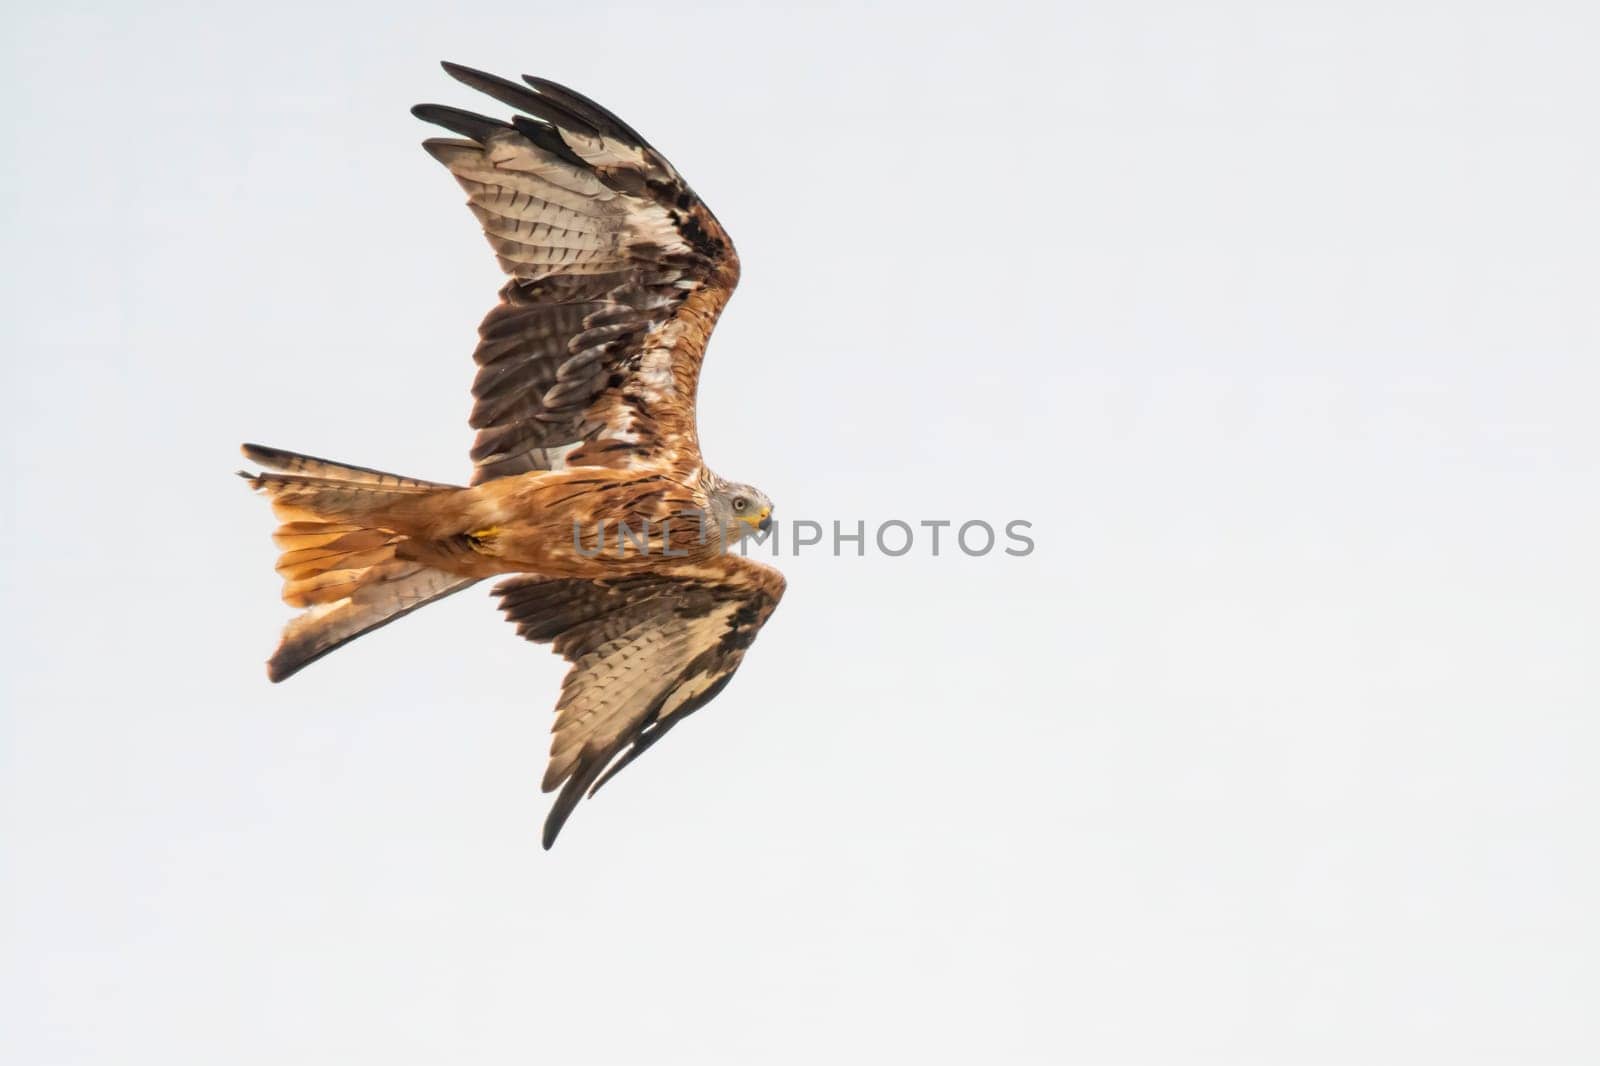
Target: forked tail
[343, 553]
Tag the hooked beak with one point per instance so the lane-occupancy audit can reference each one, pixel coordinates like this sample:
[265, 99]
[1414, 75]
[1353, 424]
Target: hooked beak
[761, 520]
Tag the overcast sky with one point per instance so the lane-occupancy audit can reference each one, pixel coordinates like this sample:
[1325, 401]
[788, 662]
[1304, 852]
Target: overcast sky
[1277, 321]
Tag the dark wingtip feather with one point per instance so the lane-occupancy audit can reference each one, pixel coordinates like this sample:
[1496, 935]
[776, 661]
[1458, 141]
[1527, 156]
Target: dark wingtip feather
[557, 818]
[601, 118]
[445, 149]
[589, 767]
[551, 108]
[545, 136]
[466, 123]
[507, 92]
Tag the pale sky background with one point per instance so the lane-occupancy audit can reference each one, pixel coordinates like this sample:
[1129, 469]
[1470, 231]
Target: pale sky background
[1278, 320]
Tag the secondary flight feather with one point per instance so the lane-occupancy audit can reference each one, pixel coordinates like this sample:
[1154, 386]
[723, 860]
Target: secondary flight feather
[588, 495]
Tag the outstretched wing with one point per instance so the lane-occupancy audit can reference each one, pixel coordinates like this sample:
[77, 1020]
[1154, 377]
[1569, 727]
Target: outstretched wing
[646, 651]
[617, 275]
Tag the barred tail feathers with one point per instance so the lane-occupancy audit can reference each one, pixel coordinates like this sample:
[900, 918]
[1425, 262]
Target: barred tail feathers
[339, 558]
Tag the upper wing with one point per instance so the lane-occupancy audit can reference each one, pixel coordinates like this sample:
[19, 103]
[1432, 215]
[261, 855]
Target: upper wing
[646, 651]
[618, 273]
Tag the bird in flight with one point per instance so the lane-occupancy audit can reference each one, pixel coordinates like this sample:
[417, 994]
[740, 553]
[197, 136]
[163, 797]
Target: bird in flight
[588, 487]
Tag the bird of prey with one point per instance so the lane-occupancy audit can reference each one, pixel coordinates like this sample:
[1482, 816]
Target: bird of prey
[588, 487]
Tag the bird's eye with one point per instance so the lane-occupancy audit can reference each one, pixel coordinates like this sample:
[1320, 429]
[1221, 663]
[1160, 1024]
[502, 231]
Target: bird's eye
[738, 503]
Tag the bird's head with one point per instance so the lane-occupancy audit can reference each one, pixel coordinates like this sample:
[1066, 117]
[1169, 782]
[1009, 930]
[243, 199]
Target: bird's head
[738, 509]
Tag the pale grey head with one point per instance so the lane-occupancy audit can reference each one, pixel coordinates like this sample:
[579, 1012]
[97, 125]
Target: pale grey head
[737, 509]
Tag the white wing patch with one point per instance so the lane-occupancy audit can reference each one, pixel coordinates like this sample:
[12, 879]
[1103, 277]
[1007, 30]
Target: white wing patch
[693, 687]
[610, 689]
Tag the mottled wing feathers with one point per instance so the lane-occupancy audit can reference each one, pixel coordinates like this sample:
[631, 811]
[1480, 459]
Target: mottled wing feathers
[617, 275]
[646, 651]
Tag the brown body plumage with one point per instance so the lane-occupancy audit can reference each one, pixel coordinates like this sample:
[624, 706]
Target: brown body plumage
[588, 482]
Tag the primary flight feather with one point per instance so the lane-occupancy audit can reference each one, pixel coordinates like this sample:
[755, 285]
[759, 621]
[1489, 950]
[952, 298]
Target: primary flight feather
[588, 486]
